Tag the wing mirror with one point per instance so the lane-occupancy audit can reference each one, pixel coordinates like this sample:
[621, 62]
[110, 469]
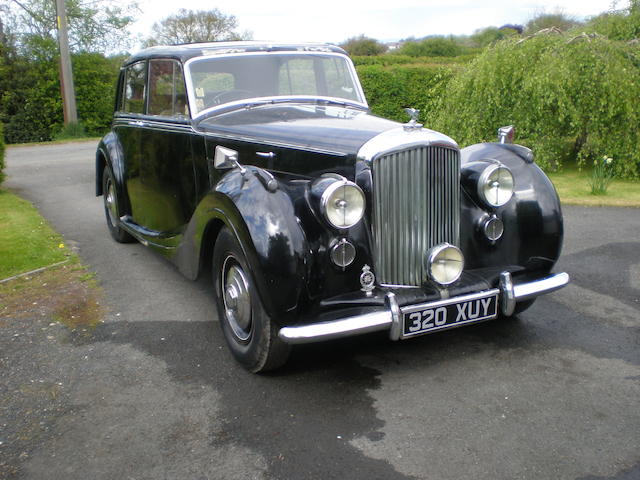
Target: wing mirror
[227, 158]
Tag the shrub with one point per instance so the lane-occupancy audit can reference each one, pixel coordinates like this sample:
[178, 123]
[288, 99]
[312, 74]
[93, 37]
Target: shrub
[32, 107]
[390, 89]
[618, 24]
[432, 47]
[1, 153]
[363, 46]
[570, 99]
[71, 130]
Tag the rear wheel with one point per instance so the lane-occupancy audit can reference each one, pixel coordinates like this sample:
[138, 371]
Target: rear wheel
[249, 332]
[111, 208]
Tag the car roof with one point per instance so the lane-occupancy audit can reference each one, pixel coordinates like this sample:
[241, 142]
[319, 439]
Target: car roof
[190, 50]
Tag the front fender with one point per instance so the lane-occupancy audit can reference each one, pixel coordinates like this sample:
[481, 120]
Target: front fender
[533, 225]
[265, 224]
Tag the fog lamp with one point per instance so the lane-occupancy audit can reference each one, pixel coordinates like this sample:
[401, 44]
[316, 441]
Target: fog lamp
[492, 228]
[444, 264]
[343, 253]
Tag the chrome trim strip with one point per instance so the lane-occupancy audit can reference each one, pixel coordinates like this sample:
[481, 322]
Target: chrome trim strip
[391, 318]
[399, 139]
[370, 322]
[395, 333]
[527, 291]
[507, 299]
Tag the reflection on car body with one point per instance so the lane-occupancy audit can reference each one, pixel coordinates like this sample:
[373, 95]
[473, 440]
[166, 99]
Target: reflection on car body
[319, 219]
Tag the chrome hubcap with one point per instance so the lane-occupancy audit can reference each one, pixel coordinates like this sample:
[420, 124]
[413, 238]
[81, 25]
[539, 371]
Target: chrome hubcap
[237, 300]
[110, 202]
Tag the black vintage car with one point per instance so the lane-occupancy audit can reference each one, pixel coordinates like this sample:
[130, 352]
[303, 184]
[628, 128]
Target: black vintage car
[319, 220]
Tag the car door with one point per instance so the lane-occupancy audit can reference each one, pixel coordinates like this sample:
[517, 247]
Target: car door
[167, 185]
[128, 119]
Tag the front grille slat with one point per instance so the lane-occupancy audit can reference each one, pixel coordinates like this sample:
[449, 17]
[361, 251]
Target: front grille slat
[416, 205]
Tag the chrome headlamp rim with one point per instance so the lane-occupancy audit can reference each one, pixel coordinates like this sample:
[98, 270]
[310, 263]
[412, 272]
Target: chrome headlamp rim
[329, 191]
[483, 180]
[433, 254]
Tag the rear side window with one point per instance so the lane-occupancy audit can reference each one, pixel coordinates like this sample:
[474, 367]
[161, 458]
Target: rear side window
[167, 94]
[134, 88]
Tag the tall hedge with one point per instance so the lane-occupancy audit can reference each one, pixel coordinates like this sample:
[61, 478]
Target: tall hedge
[390, 89]
[1, 153]
[32, 105]
[570, 97]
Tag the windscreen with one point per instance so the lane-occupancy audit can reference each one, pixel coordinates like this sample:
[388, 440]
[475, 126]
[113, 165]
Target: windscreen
[219, 80]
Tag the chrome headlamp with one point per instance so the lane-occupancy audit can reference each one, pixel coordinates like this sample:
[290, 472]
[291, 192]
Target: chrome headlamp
[444, 264]
[495, 185]
[342, 203]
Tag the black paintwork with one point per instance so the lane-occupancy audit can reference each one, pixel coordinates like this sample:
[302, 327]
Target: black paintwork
[175, 201]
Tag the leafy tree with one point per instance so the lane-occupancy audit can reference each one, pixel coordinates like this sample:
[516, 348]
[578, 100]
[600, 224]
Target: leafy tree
[572, 98]
[364, 46]
[556, 19]
[93, 25]
[621, 24]
[189, 26]
[490, 35]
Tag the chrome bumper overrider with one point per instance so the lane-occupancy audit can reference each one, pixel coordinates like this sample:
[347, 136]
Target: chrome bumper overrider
[390, 318]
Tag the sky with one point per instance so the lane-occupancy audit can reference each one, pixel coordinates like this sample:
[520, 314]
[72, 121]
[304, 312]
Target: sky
[334, 21]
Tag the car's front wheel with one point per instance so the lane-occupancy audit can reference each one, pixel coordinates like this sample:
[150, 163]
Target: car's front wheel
[249, 332]
[111, 208]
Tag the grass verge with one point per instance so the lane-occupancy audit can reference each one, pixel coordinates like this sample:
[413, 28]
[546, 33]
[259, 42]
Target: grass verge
[66, 293]
[574, 189]
[27, 241]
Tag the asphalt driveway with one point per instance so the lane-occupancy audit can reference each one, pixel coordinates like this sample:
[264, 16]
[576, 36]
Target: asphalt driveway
[154, 394]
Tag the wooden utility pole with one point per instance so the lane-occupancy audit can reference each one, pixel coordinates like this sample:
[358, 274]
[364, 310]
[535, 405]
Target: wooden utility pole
[66, 74]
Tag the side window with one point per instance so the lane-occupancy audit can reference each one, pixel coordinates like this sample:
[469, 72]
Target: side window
[297, 77]
[167, 94]
[134, 88]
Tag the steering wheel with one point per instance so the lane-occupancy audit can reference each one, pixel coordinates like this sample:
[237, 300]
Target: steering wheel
[230, 95]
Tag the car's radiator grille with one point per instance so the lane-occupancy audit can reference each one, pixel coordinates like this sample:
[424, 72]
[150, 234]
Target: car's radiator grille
[416, 205]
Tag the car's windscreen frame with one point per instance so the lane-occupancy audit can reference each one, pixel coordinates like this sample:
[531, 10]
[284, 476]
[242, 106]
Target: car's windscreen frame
[198, 112]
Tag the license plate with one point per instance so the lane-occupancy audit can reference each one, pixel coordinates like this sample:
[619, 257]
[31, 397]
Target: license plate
[440, 315]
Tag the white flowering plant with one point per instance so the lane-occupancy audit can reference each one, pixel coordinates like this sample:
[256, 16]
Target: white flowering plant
[602, 175]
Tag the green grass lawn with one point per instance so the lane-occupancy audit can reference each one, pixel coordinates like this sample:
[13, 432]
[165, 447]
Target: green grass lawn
[27, 241]
[574, 189]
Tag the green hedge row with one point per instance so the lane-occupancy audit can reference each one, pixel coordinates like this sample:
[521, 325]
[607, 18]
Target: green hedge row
[571, 98]
[390, 89]
[395, 59]
[1, 153]
[31, 105]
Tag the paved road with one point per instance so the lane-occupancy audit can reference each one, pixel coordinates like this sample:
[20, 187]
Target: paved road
[154, 394]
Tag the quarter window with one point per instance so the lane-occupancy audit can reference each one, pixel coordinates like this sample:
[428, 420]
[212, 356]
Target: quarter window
[167, 94]
[134, 88]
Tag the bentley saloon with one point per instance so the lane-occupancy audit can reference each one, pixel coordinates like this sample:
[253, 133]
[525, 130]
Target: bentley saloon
[318, 220]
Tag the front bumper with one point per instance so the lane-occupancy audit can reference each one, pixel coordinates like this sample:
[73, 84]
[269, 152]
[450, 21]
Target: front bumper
[390, 318]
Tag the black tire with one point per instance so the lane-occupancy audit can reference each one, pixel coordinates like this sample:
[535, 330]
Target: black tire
[112, 209]
[249, 332]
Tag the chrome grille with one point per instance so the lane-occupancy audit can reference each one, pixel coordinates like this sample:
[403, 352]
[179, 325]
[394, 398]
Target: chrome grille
[416, 205]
